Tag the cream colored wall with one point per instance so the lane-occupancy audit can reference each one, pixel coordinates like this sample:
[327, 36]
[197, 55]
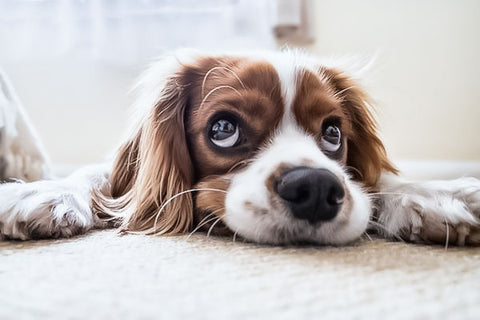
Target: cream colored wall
[426, 78]
[79, 107]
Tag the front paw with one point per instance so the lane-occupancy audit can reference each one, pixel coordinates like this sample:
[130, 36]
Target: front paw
[438, 212]
[42, 210]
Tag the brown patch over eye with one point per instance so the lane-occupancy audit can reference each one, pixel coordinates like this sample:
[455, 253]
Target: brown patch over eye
[366, 153]
[319, 112]
[243, 93]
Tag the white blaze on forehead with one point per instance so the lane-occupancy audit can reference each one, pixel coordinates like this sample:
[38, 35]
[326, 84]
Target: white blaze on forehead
[287, 74]
[290, 66]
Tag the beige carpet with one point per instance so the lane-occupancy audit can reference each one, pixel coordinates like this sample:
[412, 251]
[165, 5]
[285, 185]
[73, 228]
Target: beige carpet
[106, 276]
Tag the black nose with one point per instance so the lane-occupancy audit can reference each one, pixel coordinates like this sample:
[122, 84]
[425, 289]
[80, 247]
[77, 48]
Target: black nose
[311, 194]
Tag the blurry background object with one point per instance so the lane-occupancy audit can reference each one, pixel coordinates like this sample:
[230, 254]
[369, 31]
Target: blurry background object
[292, 21]
[74, 61]
[22, 155]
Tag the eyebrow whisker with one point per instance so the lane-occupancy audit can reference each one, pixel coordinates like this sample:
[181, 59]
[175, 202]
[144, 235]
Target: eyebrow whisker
[215, 89]
[219, 68]
[239, 163]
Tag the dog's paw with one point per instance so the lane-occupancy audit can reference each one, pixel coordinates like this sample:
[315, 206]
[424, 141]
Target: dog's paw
[42, 210]
[436, 211]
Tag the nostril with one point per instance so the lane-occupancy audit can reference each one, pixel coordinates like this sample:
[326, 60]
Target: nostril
[336, 195]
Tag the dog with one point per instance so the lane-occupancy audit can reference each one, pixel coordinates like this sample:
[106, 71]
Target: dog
[273, 147]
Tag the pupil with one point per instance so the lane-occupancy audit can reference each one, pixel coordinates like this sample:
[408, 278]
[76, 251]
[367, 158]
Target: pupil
[222, 129]
[333, 132]
[332, 135]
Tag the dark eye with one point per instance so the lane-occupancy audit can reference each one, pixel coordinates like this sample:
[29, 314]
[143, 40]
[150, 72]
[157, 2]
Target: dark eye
[224, 133]
[331, 138]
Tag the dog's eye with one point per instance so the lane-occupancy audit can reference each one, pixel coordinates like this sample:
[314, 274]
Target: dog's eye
[331, 138]
[224, 133]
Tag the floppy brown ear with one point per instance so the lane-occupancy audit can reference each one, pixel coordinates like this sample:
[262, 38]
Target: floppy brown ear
[366, 152]
[151, 169]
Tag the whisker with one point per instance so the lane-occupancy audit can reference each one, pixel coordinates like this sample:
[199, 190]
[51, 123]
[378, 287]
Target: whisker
[389, 193]
[235, 236]
[213, 225]
[448, 233]
[205, 218]
[218, 68]
[354, 169]
[200, 225]
[215, 89]
[381, 227]
[203, 222]
[368, 236]
[178, 195]
[246, 161]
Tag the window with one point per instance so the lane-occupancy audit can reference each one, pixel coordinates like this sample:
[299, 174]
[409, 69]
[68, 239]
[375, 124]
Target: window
[129, 32]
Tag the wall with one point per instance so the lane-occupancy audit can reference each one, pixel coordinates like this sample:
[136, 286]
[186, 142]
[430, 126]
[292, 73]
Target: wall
[79, 107]
[425, 80]
[426, 75]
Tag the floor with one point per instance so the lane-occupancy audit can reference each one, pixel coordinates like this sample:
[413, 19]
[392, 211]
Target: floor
[103, 275]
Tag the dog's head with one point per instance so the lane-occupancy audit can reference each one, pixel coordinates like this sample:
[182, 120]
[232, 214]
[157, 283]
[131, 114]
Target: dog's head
[276, 148]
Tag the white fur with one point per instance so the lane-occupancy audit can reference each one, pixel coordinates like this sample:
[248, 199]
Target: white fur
[414, 210]
[62, 207]
[291, 145]
[51, 208]
[270, 221]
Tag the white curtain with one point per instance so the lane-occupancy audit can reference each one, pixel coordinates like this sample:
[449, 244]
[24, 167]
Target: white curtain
[129, 32]
[69, 59]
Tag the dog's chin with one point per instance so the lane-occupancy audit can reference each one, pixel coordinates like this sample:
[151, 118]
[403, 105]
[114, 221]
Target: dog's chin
[277, 226]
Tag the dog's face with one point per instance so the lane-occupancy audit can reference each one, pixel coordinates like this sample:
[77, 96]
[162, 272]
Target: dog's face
[264, 147]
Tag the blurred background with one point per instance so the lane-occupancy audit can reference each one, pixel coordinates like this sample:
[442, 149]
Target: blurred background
[74, 61]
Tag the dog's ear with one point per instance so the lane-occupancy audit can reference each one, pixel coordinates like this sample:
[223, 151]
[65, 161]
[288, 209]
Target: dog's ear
[365, 150]
[152, 170]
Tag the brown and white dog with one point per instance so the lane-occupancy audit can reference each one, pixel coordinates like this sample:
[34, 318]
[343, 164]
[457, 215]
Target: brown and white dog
[276, 148]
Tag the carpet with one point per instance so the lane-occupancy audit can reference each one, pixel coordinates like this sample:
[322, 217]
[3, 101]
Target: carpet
[103, 275]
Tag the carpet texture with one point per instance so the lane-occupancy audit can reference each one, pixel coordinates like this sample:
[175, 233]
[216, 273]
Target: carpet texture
[106, 276]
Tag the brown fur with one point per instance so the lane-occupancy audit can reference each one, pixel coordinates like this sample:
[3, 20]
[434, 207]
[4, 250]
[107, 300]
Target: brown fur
[366, 152]
[256, 100]
[275, 175]
[152, 168]
[210, 204]
[170, 153]
[314, 102]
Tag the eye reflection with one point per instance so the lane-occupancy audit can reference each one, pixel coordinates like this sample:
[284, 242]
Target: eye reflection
[331, 138]
[224, 133]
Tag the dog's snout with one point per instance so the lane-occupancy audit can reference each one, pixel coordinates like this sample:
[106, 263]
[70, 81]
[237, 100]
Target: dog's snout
[311, 194]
